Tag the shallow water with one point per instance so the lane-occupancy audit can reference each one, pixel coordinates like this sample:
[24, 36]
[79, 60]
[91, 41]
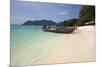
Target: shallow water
[29, 43]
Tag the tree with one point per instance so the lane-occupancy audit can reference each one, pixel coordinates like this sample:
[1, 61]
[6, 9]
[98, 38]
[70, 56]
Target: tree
[70, 22]
[87, 13]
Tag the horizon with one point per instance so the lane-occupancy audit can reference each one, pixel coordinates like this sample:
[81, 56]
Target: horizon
[21, 11]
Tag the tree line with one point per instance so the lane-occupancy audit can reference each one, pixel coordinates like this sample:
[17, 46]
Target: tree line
[86, 14]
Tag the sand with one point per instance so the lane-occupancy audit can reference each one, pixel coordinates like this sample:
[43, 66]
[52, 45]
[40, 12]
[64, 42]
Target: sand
[76, 47]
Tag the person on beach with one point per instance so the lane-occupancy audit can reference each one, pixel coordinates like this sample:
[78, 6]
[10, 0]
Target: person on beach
[44, 27]
[75, 27]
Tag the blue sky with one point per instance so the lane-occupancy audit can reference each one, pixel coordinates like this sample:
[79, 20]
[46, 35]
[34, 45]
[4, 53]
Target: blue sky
[22, 11]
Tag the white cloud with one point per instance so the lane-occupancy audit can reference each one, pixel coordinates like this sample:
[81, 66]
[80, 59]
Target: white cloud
[63, 13]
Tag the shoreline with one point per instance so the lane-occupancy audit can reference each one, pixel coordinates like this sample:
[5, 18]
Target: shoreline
[77, 47]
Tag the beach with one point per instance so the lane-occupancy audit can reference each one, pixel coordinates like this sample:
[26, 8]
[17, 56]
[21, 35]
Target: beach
[31, 46]
[77, 47]
[51, 33]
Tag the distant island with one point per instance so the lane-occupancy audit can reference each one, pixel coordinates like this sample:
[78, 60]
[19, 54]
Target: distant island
[39, 22]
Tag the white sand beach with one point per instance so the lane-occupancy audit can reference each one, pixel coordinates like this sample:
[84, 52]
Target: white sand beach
[77, 47]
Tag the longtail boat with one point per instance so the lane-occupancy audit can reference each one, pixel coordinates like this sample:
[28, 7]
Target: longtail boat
[63, 30]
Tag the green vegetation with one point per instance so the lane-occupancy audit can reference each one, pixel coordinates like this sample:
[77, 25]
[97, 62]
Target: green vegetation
[70, 22]
[87, 14]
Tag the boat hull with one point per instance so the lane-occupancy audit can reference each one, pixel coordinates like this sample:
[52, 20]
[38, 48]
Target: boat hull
[60, 30]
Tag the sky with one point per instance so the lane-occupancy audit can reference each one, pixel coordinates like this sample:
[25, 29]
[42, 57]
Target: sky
[22, 11]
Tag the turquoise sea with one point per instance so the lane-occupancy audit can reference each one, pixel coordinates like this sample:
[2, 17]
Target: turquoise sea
[29, 43]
